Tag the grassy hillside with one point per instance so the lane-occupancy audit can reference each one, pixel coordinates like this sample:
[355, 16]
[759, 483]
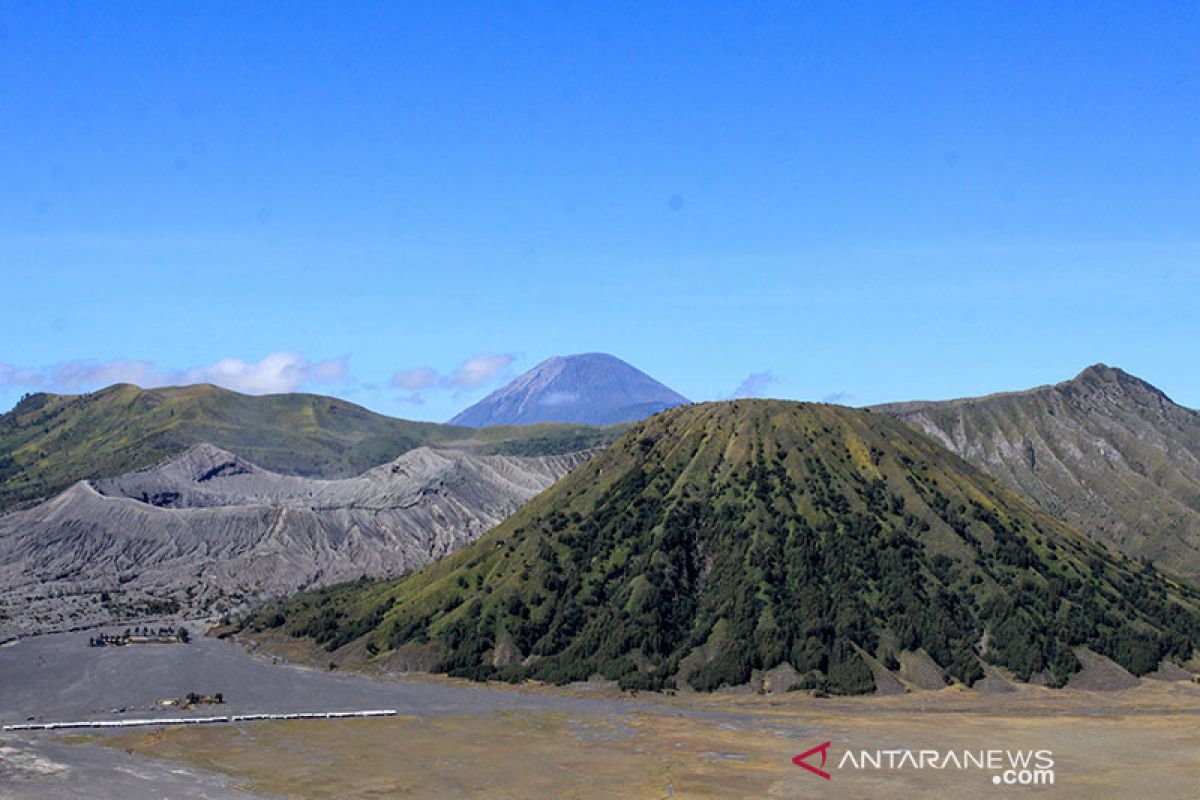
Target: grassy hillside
[48, 442]
[1107, 453]
[716, 539]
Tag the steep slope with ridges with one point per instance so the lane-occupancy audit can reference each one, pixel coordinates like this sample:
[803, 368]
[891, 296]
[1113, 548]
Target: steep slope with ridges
[718, 539]
[1106, 452]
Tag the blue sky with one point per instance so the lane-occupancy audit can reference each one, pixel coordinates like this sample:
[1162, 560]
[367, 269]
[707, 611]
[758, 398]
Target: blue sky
[402, 204]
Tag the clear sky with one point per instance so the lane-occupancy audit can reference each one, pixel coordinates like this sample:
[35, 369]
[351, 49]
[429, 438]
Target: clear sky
[404, 203]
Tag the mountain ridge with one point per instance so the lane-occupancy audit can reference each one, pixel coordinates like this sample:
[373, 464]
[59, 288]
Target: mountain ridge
[48, 441]
[1105, 451]
[1091, 376]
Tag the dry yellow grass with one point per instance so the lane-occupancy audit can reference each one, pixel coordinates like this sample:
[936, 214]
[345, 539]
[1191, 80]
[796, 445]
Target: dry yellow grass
[1140, 743]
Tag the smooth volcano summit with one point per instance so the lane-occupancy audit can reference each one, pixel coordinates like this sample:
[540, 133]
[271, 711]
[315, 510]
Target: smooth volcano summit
[589, 389]
[718, 540]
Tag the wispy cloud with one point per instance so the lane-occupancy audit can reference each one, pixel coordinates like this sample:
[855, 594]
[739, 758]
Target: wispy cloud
[841, 398]
[480, 369]
[416, 378]
[475, 371]
[277, 372]
[754, 385]
[559, 398]
[19, 376]
[76, 375]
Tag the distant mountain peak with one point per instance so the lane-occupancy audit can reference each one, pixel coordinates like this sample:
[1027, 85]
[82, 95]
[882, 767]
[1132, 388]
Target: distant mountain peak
[1097, 369]
[587, 388]
[1104, 373]
[1114, 381]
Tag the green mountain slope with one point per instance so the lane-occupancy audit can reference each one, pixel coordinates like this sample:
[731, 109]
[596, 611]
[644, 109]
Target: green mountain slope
[1106, 452]
[716, 539]
[47, 442]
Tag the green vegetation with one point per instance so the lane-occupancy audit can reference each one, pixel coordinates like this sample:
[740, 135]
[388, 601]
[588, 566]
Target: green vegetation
[1107, 453]
[47, 442]
[718, 539]
[196, 699]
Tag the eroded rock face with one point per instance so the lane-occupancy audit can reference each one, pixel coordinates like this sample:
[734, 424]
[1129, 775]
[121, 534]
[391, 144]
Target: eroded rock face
[206, 530]
[1106, 452]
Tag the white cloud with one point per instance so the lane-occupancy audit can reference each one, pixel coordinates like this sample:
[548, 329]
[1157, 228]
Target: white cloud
[475, 371]
[754, 385]
[277, 372]
[480, 369]
[840, 398]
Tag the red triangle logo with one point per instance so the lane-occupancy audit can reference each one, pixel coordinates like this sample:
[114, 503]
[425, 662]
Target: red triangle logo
[823, 749]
